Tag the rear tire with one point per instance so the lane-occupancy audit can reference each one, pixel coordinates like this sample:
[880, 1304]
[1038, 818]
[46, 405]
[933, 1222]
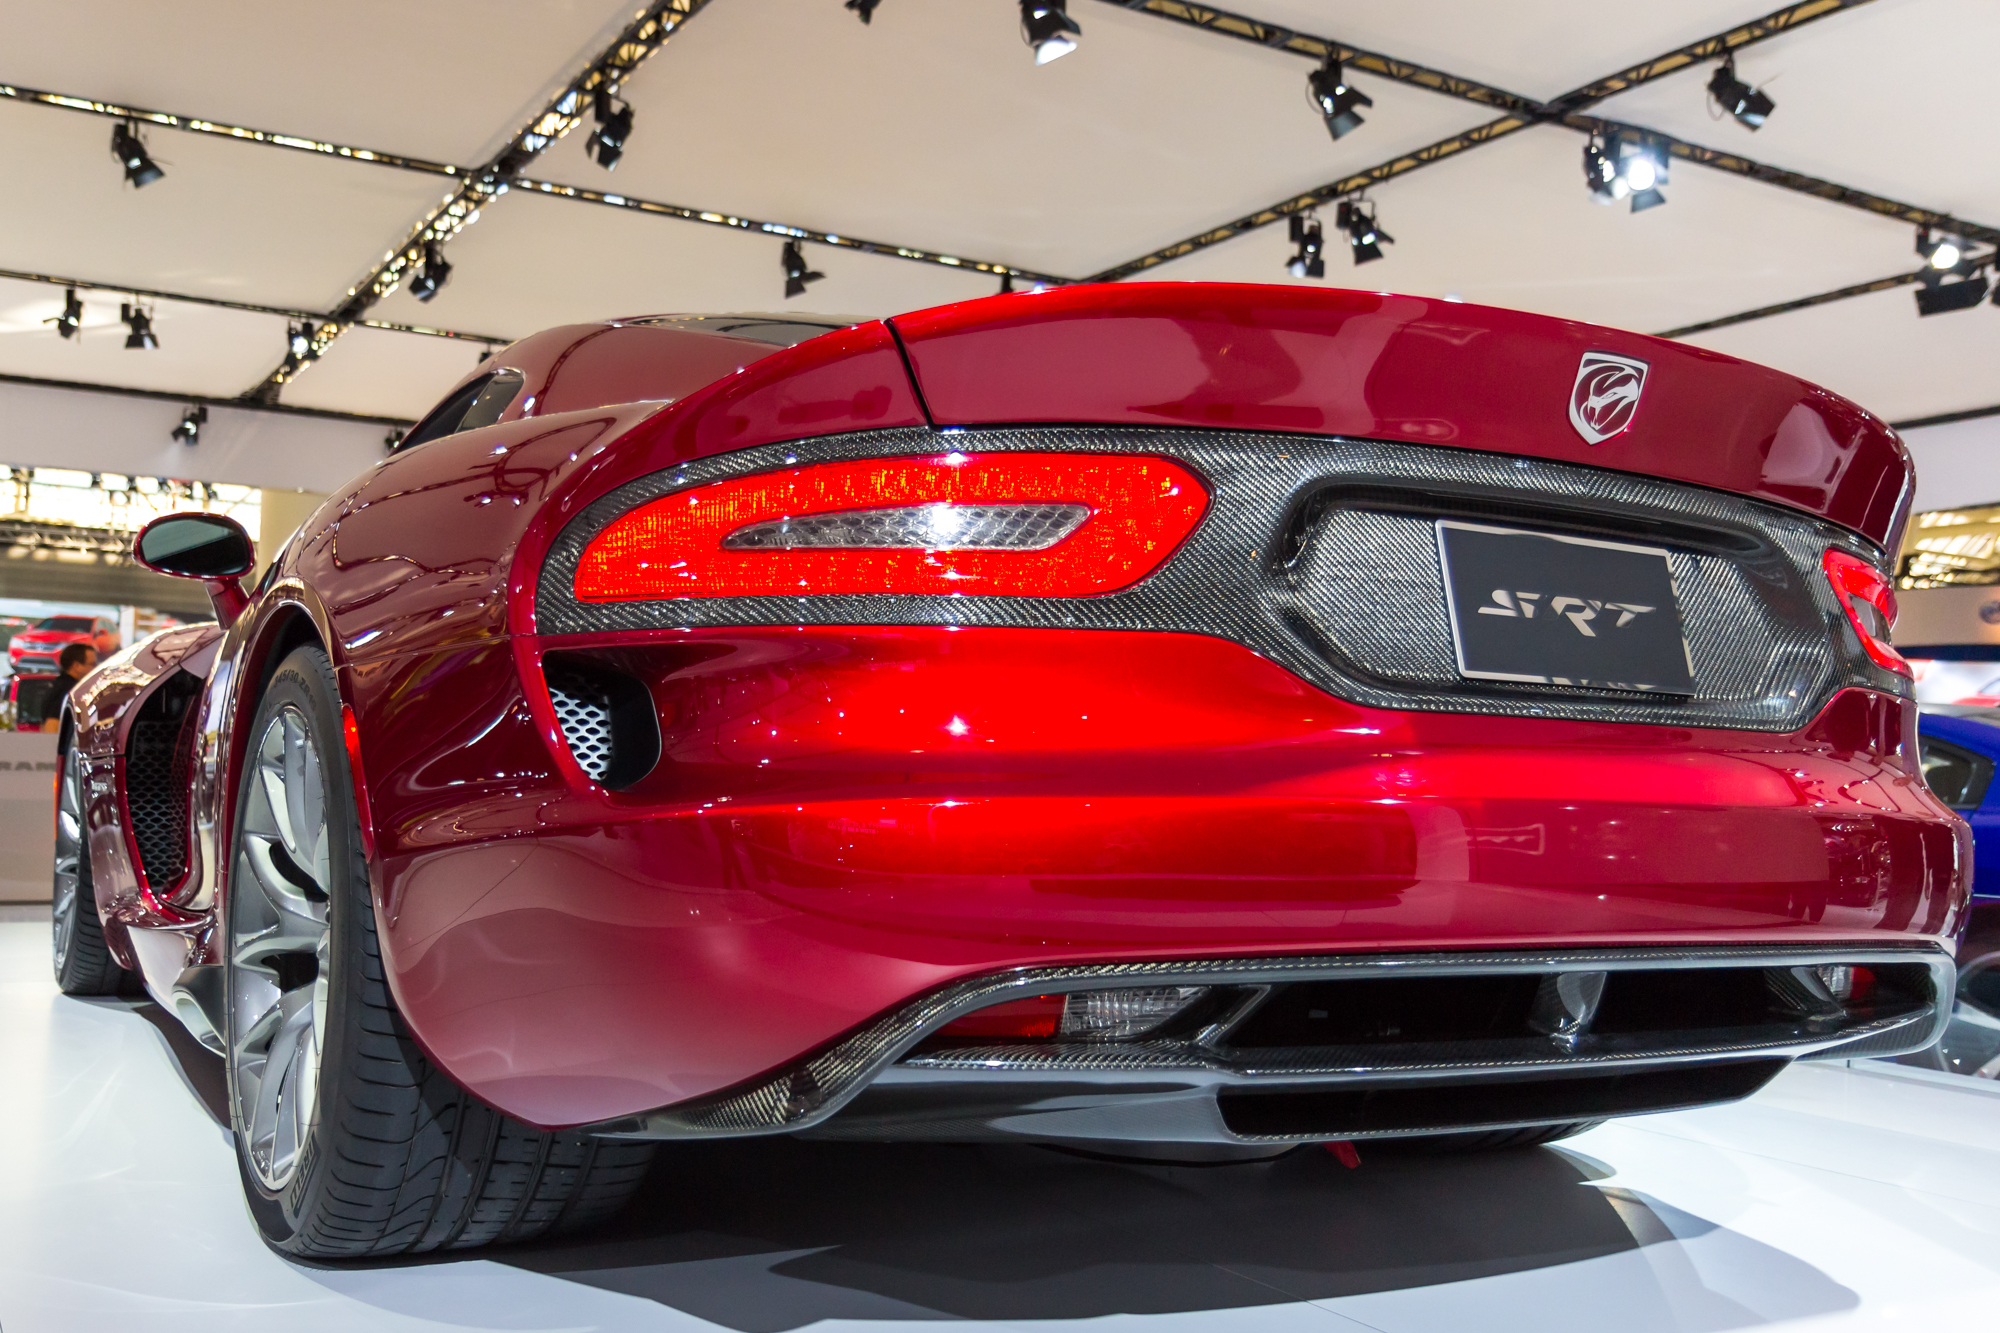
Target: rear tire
[1495, 1140]
[359, 1146]
[83, 962]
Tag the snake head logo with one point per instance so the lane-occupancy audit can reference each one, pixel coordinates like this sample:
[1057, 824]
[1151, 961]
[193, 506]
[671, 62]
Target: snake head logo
[1606, 395]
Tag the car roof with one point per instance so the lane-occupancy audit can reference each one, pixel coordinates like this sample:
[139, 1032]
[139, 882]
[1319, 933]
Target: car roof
[1975, 727]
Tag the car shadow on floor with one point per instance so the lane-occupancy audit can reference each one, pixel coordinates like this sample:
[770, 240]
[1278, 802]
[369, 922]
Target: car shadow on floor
[776, 1234]
[765, 1236]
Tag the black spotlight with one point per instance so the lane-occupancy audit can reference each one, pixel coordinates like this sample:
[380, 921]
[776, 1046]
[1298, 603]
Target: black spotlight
[1363, 236]
[1335, 98]
[189, 431]
[864, 8]
[140, 322]
[71, 319]
[1936, 296]
[1006, 283]
[1940, 252]
[1644, 170]
[299, 341]
[130, 150]
[607, 141]
[1738, 98]
[1615, 169]
[1308, 258]
[431, 274]
[797, 275]
[1047, 26]
[1600, 171]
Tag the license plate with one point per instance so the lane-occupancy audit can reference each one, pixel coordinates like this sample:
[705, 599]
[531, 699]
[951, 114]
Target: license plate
[1555, 610]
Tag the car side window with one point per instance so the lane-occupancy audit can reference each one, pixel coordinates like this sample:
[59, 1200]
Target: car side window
[1957, 776]
[479, 403]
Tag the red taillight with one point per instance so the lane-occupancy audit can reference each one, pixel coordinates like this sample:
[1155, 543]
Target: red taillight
[1037, 1017]
[1870, 603]
[995, 525]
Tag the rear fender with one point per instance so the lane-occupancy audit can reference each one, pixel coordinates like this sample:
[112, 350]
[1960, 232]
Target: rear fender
[97, 721]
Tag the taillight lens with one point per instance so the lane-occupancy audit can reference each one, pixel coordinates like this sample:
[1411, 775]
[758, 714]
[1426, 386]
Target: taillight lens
[995, 525]
[1870, 603]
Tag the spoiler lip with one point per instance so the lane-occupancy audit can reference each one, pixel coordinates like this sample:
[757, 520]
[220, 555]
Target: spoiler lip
[1377, 365]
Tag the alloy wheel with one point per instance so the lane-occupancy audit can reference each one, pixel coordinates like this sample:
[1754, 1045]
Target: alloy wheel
[278, 894]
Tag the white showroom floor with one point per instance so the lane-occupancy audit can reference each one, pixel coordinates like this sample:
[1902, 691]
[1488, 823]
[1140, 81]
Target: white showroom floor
[1862, 1197]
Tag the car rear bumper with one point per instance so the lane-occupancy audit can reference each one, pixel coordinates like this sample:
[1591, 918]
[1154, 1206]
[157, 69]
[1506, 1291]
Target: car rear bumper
[1221, 1080]
[845, 821]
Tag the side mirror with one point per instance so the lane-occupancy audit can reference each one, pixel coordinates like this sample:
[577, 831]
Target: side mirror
[208, 547]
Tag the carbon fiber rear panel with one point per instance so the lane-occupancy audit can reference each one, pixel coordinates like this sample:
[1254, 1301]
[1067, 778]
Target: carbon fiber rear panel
[1320, 554]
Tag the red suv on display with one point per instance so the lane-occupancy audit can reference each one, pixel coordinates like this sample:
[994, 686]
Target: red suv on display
[1168, 720]
[36, 648]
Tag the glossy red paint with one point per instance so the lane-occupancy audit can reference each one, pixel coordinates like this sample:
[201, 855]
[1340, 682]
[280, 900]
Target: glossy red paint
[1391, 367]
[102, 707]
[848, 816]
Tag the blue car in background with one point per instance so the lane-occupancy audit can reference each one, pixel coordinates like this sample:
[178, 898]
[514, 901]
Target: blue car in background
[1960, 748]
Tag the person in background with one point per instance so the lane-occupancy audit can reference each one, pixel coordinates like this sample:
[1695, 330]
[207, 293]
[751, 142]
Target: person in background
[74, 662]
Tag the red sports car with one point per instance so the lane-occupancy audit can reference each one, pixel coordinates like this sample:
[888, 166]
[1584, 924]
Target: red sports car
[1172, 721]
[37, 647]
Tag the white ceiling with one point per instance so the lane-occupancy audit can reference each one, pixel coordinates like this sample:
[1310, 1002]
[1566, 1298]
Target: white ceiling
[933, 127]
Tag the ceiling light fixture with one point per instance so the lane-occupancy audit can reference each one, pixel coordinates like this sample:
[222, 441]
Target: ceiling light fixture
[1940, 252]
[431, 274]
[864, 8]
[797, 275]
[1047, 27]
[1309, 260]
[189, 431]
[140, 322]
[1935, 296]
[130, 150]
[1336, 98]
[71, 319]
[1615, 168]
[1945, 257]
[1357, 218]
[299, 341]
[607, 141]
[1749, 105]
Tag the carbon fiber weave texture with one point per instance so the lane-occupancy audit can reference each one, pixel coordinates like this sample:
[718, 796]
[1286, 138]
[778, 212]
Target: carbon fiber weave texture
[1351, 596]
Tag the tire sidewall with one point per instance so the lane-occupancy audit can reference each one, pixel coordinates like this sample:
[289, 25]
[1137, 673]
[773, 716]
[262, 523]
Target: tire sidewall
[72, 766]
[305, 681]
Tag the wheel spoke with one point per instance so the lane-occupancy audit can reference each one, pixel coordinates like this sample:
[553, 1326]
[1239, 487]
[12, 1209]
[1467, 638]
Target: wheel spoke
[278, 948]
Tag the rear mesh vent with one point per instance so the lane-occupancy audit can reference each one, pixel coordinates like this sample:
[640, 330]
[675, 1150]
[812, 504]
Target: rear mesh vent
[607, 719]
[156, 782]
[584, 712]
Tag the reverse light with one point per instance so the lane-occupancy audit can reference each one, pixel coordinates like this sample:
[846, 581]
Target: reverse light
[1095, 1015]
[1870, 603]
[995, 525]
[1846, 983]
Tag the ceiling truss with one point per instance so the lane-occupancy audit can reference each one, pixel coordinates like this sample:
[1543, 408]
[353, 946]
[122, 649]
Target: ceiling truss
[1565, 110]
[640, 39]
[188, 298]
[654, 26]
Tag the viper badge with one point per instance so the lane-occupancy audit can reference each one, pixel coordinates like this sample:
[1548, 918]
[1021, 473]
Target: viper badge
[1605, 396]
